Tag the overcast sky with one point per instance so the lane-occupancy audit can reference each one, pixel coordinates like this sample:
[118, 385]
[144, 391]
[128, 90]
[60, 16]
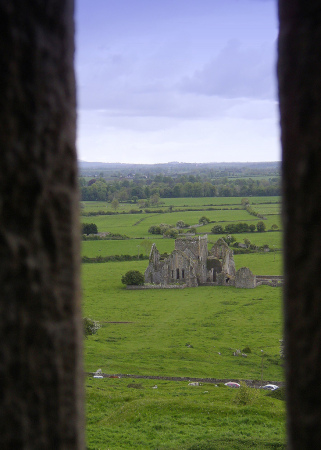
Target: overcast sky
[177, 80]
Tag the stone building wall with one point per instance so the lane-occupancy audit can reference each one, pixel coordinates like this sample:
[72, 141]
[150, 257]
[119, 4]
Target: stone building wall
[189, 263]
[178, 268]
[196, 244]
[222, 251]
[244, 278]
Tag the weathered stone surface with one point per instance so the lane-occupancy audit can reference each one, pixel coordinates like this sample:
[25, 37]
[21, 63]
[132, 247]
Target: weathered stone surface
[190, 264]
[223, 252]
[40, 321]
[299, 76]
[244, 278]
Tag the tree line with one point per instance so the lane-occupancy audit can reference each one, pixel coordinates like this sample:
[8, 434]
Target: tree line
[99, 189]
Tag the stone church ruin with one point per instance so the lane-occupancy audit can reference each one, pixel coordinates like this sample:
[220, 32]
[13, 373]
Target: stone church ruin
[191, 264]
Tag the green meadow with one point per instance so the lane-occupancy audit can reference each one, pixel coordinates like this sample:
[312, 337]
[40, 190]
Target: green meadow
[190, 332]
[133, 414]
[149, 332]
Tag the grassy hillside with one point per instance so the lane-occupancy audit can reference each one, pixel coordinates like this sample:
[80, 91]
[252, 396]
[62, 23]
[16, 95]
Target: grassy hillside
[130, 414]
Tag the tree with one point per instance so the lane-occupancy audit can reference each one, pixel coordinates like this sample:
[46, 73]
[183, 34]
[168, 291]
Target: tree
[217, 229]
[146, 244]
[180, 224]
[260, 226]
[115, 204]
[229, 239]
[154, 229]
[274, 227]
[164, 227]
[204, 220]
[171, 232]
[133, 277]
[252, 227]
[154, 200]
[89, 228]
[247, 242]
[90, 326]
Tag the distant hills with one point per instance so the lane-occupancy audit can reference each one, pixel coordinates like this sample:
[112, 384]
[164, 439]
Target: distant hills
[178, 167]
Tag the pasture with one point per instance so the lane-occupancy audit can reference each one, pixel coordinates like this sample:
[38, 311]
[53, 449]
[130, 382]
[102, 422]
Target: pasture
[185, 333]
[133, 414]
[149, 332]
[225, 211]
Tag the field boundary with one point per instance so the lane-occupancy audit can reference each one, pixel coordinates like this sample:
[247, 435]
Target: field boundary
[250, 383]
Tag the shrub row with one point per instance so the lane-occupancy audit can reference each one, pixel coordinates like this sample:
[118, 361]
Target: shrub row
[113, 258]
[241, 227]
[154, 211]
[254, 213]
[110, 213]
[107, 237]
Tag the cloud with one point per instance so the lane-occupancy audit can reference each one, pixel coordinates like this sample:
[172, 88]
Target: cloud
[236, 72]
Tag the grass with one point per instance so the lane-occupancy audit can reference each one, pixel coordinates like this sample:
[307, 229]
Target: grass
[217, 201]
[191, 332]
[137, 246]
[161, 322]
[137, 225]
[178, 416]
[127, 247]
[261, 263]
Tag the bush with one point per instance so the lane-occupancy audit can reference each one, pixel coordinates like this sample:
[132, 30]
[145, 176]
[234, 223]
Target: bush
[180, 224]
[204, 220]
[237, 228]
[154, 229]
[89, 228]
[260, 226]
[279, 394]
[229, 239]
[172, 233]
[217, 229]
[90, 326]
[245, 395]
[133, 277]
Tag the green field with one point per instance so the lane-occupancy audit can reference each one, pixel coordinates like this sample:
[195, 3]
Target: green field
[190, 332]
[131, 414]
[137, 225]
[159, 324]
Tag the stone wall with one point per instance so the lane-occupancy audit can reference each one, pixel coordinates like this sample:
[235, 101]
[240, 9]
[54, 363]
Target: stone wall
[222, 251]
[244, 278]
[197, 245]
[156, 286]
[179, 269]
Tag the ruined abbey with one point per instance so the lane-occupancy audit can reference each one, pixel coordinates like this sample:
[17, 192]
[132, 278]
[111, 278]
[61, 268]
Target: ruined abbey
[191, 264]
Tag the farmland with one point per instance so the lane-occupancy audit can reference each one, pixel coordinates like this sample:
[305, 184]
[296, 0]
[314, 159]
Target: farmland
[181, 333]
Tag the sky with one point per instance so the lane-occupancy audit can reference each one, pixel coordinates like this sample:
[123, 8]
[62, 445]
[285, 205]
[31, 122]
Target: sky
[177, 80]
